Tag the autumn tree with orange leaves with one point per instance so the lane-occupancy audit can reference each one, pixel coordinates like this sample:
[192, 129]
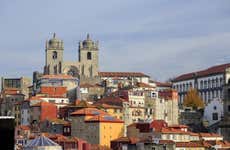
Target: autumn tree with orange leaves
[192, 99]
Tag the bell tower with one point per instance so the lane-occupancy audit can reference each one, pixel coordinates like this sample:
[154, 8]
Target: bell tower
[54, 56]
[88, 58]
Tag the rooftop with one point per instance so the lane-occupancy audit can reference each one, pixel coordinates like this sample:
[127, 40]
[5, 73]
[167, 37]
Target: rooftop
[206, 72]
[88, 112]
[104, 118]
[122, 74]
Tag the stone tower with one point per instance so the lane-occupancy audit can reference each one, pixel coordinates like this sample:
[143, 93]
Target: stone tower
[54, 56]
[88, 58]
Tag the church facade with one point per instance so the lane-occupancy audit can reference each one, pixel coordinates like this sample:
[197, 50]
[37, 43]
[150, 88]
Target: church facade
[85, 68]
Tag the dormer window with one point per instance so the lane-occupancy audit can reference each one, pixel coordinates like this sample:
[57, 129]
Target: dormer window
[54, 55]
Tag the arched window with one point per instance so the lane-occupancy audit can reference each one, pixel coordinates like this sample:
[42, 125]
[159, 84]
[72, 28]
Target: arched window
[187, 87]
[209, 83]
[89, 56]
[213, 83]
[221, 82]
[205, 84]
[201, 84]
[217, 83]
[54, 55]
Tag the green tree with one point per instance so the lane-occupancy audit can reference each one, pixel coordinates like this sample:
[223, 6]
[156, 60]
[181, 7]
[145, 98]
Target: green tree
[192, 99]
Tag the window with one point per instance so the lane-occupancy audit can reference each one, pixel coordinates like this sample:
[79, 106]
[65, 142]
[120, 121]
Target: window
[214, 107]
[201, 84]
[205, 84]
[217, 84]
[220, 82]
[89, 56]
[54, 55]
[214, 116]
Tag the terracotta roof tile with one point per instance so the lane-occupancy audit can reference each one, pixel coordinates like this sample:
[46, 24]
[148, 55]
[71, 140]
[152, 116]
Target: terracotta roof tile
[163, 84]
[104, 118]
[189, 144]
[83, 104]
[88, 112]
[158, 124]
[209, 135]
[99, 105]
[143, 127]
[112, 100]
[172, 130]
[210, 71]
[141, 84]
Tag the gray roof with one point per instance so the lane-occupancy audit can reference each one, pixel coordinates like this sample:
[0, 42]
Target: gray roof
[41, 141]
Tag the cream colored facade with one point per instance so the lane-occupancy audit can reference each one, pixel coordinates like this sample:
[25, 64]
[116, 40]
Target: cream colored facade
[85, 68]
[163, 109]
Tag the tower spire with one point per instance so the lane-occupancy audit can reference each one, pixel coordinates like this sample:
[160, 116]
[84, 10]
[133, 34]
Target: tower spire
[88, 37]
[54, 35]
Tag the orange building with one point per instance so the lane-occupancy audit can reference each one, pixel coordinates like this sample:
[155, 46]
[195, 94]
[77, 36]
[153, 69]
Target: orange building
[42, 111]
[96, 126]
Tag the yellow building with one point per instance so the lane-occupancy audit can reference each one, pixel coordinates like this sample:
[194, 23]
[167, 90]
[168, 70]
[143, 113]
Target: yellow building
[113, 110]
[96, 126]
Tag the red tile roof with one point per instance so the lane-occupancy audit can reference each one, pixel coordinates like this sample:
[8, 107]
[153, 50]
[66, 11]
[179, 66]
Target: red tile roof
[107, 106]
[143, 127]
[157, 125]
[163, 84]
[206, 72]
[83, 104]
[209, 135]
[122, 74]
[57, 91]
[141, 84]
[173, 130]
[169, 94]
[11, 91]
[112, 100]
[104, 118]
[189, 144]
[88, 112]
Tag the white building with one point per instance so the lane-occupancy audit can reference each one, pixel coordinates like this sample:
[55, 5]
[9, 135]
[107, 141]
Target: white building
[113, 80]
[213, 112]
[209, 83]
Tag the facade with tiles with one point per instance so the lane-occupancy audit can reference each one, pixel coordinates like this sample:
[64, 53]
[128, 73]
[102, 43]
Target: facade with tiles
[208, 82]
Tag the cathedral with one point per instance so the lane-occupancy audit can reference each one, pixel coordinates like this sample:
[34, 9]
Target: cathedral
[86, 68]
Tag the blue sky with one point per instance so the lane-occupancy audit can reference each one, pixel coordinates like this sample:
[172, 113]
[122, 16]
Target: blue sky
[162, 38]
